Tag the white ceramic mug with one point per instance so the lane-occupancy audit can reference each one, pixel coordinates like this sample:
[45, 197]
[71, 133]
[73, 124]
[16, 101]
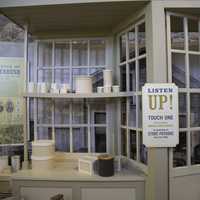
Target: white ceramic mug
[100, 89]
[107, 89]
[115, 88]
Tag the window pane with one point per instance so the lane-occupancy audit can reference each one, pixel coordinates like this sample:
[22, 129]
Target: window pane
[139, 111]
[98, 113]
[123, 112]
[143, 150]
[123, 48]
[193, 35]
[78, 72]
[132, 77]
[62, 140]
[97, 52]
[142, 73]
[180, 151]
[98, 138]
[79, 53]
[80, 140]
[178, 70]
[141, 39]
[182, 111]
[123, 142]
[44, 111]
[195, 110]
[97, 77]
[44, 133]
[79, 112]
[131, 43]
[61, 112]
[194, 63]
[62, 54]
[195, 147]
[123, 78]
[177, 33]
[62, 76]
[132, 111]
[45, 54]
[45, 76]
[133, 145]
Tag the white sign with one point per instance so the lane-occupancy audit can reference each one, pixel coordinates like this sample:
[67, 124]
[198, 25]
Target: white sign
[160, 115]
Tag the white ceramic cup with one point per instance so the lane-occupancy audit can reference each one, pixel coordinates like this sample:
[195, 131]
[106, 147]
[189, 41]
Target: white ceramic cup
[115, 88]
[107, 89]
[100, 89]
[31, 87]
[3, 163]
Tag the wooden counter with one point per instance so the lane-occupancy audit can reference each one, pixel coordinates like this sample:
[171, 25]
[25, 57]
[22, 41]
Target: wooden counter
[41, 185]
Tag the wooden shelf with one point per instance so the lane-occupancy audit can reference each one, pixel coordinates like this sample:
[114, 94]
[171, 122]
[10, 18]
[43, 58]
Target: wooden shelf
[77, 96]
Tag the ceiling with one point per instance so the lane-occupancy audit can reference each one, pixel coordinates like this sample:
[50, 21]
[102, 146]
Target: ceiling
[73, 18]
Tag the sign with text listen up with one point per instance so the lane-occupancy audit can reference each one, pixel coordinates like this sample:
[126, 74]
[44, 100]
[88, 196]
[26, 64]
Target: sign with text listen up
[160, 115]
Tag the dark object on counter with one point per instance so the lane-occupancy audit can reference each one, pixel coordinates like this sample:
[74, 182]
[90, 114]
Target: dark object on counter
[57, 197]
[106, 165]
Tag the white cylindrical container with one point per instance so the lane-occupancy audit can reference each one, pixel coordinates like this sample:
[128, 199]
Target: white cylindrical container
[107, 77]
[99, 89]
[15, 163]
[31, 87]
[107, 89]
[84, 84]
[43, 154]
[115, 88]
[3, 163]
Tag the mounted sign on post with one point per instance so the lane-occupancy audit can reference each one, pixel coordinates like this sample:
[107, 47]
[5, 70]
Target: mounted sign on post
[160, 115]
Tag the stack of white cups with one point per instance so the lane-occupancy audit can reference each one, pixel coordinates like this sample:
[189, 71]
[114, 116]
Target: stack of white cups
[107, 80]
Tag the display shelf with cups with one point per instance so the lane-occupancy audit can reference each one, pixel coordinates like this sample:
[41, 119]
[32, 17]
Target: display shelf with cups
[84, 89]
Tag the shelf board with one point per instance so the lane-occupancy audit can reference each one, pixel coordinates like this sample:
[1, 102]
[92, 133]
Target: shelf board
[78, 96]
